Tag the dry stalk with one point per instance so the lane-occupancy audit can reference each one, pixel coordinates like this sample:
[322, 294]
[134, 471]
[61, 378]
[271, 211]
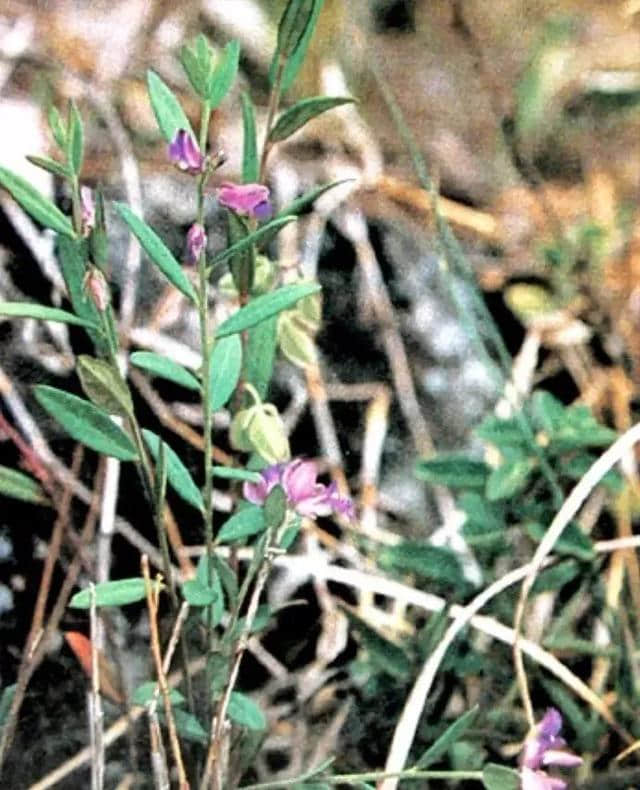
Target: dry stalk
[96, 715]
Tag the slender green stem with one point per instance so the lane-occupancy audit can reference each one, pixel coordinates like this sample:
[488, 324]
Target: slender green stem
[274, 100]
[372, 776]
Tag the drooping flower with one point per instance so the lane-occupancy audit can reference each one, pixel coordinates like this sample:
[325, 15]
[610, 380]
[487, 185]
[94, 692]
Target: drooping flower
[185, 154]
[249, 200]
[304, 494]
[544, 747]
[196, 242]
[88, 212]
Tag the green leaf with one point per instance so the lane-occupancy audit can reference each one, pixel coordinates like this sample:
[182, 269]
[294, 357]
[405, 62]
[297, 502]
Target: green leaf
[228, 578]
[250, 165]
[557, 576]
[146, 691]
[509, 478]
[294, 35]
[189, 727]
[85, 423]
[6, 701]
[260, 354]
[50, 165]
[216, 608]
[17, 485]
[502, 433]
[453, 733]
[431, 562]
[226, 367]
[499, 777]
[73, 262]
[572, 541]
[198, 594]
[265, 306]
[165, 368]
[453, 470]
[246, 522]
[302, 112]
[104, 385]
[75, 139]
[304, 202]
[253, 238]
[244, 712]
[157, 251]
[197, 61]
[56, 124]
[577, 466]
[39, 311]
[177, 473]
[116, 593]
[224, 74]
[167, 109]
[230, 473]
[275, 508]
[35, 204]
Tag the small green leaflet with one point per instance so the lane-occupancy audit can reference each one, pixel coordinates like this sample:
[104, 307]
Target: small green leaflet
[85, 423]
[57, 127]
[75, 139]
[244, 712]
[197, 61]
[257, 236]
[197, 594]
[452, 734]
[224, 74]
[39, 311]
[499, 777]
[6, 700]
[50, 165]
[165, 368]
[265, 306]
[226, 367]
[302, 112]
[167, 109]
[189, 727]
[246, 522]
[509, 478]
[117, 593]
[261, 353]
[294, 35]
[17, 485]
[146, 691]
[157, 251]
[35, 204]
[250, 167]
[104, 385]
[229, 473]
[177, 473]
[454, 470]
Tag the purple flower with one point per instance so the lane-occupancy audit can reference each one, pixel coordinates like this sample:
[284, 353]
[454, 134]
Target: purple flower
[185, 154]
[196, 242]
[543, 747]
[250, 200]
[304, 494]
[88, 212]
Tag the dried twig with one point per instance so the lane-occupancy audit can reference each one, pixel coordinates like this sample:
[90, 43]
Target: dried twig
[96, 716]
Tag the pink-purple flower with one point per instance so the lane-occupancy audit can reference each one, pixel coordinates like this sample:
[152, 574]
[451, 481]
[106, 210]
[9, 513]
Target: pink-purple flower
[542, 748]
[249, 200]
[304, 494]
[196, 242]
[185, 154]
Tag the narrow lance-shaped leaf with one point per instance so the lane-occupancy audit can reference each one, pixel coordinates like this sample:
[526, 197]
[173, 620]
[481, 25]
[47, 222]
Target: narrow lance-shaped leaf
[231, 473]
[17, 485]
[294, 36]
[75, 139]
[266, 231]
[261, 353]
[35, 204]
[224, 74]
[114, 593]
[166, 107]
[245, 712]
[57, 127]
[85, 423]
[246, 522]
[157, 251]
[50, 165]
[226, 366]
[104, 385]
[250, 166]
[165, 368]
[177, 473]
[265, 306]
[302, 112]
[306, 201]
[42, 312]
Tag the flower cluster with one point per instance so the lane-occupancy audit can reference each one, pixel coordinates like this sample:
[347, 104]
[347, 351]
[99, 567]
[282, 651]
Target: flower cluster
[304, 494]
[542, 748]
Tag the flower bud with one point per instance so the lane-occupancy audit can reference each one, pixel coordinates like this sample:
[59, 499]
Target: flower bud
[196, 243]
[97, 288]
